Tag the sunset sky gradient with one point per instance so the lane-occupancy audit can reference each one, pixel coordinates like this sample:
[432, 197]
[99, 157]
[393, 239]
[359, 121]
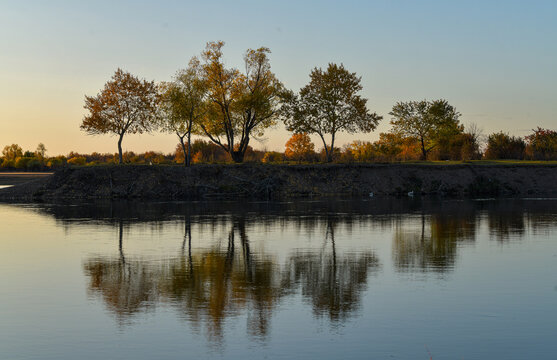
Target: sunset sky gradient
[495, 61]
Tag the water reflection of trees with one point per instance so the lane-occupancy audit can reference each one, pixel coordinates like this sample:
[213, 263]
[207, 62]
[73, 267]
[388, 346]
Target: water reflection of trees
[333, 283]
[506, 222]
[430, 242]
[208, 286]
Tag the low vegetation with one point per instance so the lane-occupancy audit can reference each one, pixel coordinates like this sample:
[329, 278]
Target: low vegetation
[540, 147]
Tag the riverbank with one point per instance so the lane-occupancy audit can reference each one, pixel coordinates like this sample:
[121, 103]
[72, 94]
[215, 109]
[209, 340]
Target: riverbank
[257, 181]
[15, 178]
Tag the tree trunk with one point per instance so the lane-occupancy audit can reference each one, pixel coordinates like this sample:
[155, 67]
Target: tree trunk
[184, 151]
[237, 156]
[424, 152]
[188, 157]
[330, 155]
[327, 156]
[120, 158]
[121, 241]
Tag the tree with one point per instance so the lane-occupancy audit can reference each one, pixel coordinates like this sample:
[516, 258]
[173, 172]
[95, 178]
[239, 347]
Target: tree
[40, 153]
[12, 152]
[299, 147]
[240, 105]
[183, 105]
[428, 121]
[125, 105]
[328, 104]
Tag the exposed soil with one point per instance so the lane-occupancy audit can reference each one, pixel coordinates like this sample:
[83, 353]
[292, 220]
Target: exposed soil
[14, 178]
[257, 181]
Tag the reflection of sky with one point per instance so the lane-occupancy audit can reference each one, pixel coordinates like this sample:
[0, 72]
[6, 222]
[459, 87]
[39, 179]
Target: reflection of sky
[493, 61]
[472, 309]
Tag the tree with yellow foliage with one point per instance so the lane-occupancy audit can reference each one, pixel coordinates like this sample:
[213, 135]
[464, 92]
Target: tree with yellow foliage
[241, 105]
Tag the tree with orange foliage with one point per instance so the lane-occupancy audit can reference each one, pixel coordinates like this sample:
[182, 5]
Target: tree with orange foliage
[299, 147]
[125, 105]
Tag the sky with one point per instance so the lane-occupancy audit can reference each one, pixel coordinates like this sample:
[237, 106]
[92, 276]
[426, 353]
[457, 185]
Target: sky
[495, 61]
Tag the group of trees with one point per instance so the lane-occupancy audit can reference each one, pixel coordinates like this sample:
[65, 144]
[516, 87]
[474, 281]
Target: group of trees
[13, 157]
[228, 106]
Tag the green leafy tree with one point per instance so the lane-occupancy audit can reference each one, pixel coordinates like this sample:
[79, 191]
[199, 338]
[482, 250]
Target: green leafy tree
[184, 105]
[328, 104]
[241, 105]
[429, 121]
[125, 105]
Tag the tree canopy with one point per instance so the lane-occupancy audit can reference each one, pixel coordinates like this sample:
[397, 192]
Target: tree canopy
[184, 105]
[427, 121]
[125, 105]
[241, 105]
[328, 104]
[12, 152]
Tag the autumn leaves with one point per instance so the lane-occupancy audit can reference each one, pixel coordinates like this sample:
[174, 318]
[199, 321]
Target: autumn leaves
[229, 106]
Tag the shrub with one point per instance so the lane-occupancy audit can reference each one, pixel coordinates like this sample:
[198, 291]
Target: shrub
[77, 160]
[56, 162]
[208, 152]
[542, 144]
[504, 146]
[273, 157]
[34, 164]
[360, 151]
[8, 164]
[21, 162]
[462, 146]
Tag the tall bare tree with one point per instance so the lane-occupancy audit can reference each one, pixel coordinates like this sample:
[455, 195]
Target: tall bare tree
[125, 105]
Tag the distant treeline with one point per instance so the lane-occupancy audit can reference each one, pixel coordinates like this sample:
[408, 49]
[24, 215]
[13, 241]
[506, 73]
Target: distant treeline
[540, 145]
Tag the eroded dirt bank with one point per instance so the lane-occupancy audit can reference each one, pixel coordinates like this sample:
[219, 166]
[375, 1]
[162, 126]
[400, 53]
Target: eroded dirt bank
[257, 181]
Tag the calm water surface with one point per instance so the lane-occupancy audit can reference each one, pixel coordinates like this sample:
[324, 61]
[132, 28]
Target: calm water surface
[329, 280]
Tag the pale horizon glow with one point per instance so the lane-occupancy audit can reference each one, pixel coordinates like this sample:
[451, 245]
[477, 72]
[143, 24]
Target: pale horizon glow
[494, 61]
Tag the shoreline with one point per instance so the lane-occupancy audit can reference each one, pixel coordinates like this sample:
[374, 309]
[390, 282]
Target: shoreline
[279, 181]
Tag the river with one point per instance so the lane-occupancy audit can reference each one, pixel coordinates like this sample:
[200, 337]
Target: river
[335, 279]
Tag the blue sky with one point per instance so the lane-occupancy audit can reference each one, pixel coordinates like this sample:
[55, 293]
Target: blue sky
[494, 60]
